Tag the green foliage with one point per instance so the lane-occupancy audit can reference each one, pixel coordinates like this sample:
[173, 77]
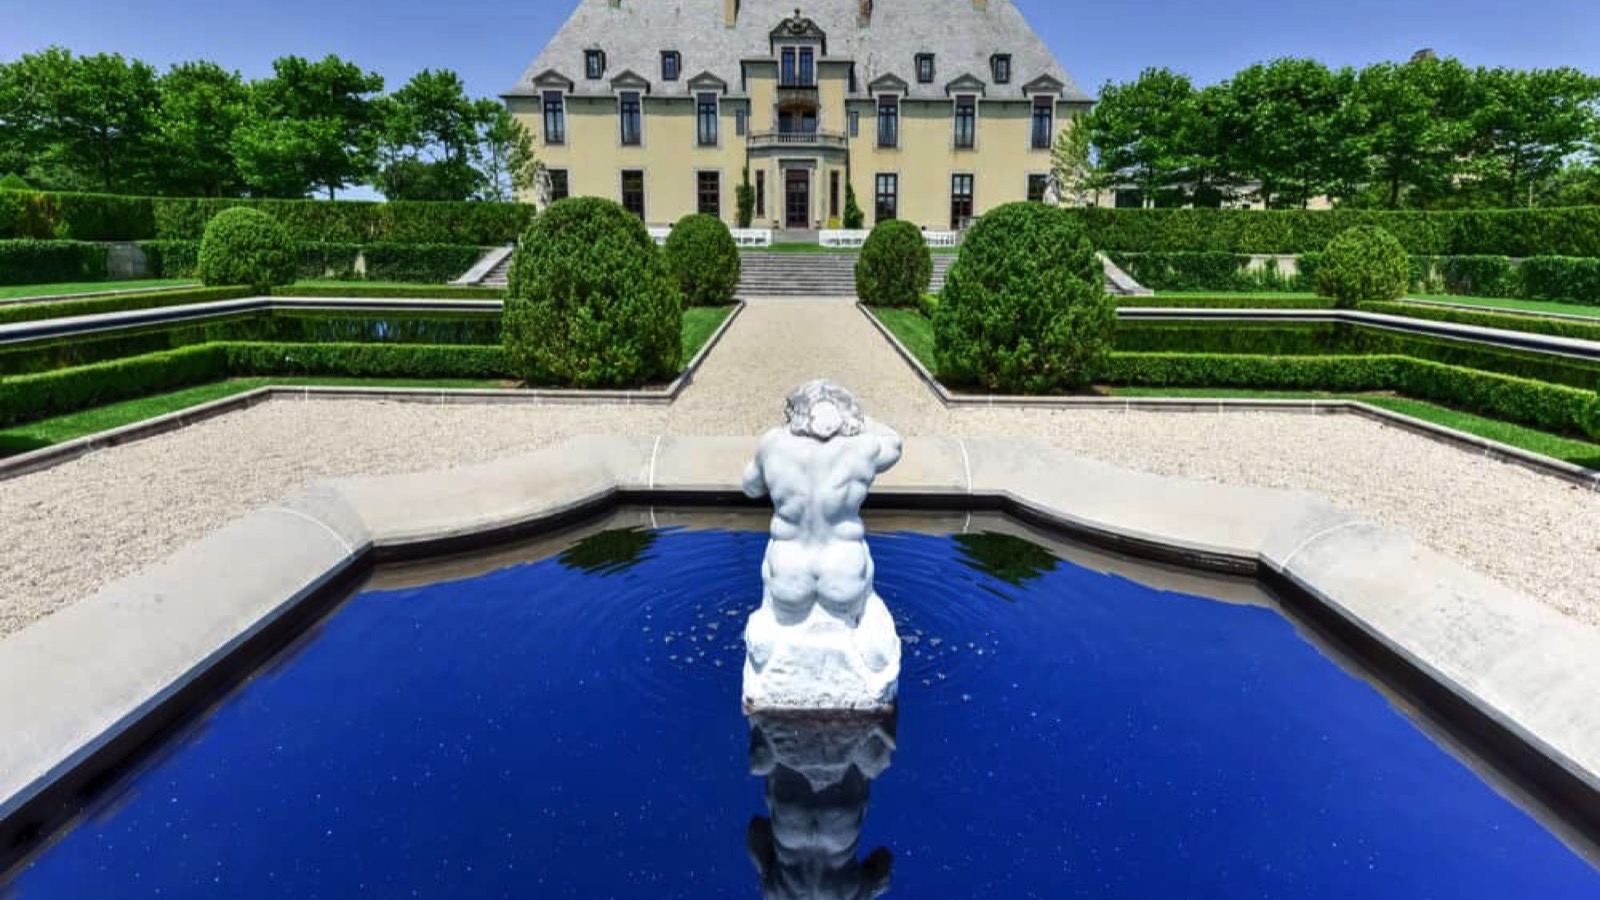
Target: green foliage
[894, 267]
[202, 106]
[1560, 279]
[311, 126]
[248, 247]
[419, 361]
[14, 182]
[591, 301]
[1556, 408]
[745, 201]
[1481, 276]
[702, 256]
[435, 263]
[1586, 331]
[1198, 301]
[1024, 307]
[1141, 128]
[1363, 264]
[171, 259]
[389, 291]
[853, 216]
[511, 168]
[31, 312]
[1212, 271]
[44, 262]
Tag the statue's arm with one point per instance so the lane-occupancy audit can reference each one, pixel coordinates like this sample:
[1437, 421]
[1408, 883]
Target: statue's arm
[755, 482]
[889, 444]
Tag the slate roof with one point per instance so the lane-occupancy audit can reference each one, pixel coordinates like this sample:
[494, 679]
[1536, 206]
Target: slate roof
[962, 38]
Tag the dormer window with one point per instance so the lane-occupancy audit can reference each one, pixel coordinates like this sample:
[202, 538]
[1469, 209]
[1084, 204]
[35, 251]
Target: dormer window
[924, 68]
[671, 65]
[1000, 68]
[594, 64]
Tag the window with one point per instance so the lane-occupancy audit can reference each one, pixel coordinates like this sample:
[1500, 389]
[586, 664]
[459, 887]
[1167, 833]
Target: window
[594, 64]
[960, 201]
[740, 123]
[833, 194]
[966, 122]
[633, 191]
[887, 201]
[1000, 67]
[708, 189]
[1038, 186]
[706, 119]
[1128, 199]
[786, 71]
[632, 127]
[761, 193]
[888, 122]
[808, 72]
[855, 122]
[924, 68]
[558, 184]
[671, 65]
[1043, 122]
[555, 118]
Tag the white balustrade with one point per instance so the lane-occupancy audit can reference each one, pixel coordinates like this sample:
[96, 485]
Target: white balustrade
[658, 233]
[752, 237]
[842, 237]
[941, 238]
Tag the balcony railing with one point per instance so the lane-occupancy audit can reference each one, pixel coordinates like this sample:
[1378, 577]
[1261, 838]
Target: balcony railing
[796, 139]
[791, 94]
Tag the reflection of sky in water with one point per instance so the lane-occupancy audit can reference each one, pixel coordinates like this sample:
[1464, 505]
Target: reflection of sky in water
[541, 731]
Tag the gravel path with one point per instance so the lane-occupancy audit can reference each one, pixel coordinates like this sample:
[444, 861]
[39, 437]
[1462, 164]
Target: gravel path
[73, 528]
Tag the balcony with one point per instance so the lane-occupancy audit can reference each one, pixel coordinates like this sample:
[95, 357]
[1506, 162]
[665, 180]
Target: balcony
[797, 95]
[760, 139]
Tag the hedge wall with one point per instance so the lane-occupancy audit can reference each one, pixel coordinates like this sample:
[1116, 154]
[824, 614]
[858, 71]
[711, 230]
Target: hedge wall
[1571, 231]
[30, 397]
[277, 326]
[103, 217]
[1555, 408]
[43, 262]
[356, 289]
[32, 312]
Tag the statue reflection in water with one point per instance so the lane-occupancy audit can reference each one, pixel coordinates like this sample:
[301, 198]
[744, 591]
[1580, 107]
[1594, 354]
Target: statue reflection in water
[818, 773]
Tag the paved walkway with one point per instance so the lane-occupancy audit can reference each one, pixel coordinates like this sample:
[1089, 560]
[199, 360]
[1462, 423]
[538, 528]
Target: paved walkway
[68, 530]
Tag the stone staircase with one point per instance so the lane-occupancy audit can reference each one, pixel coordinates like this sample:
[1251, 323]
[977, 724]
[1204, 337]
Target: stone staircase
[812, 274]
[766, 274]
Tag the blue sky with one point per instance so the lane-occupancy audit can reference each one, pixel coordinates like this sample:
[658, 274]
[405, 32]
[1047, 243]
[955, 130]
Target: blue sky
[490, 41]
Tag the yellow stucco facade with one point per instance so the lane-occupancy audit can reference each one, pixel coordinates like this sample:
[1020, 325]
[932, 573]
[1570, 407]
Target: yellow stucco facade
[804, 121]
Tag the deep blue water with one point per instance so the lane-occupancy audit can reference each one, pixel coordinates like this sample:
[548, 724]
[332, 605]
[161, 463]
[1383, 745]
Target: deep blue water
[571, 728]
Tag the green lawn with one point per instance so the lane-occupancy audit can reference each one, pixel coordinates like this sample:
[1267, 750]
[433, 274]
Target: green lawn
[43, 433]
[916, 333]
[698, 325]
[699, 322]
[1498, 304]
[26, 291]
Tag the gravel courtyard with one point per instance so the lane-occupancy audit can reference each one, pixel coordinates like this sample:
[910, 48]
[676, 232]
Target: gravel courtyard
[68, 530]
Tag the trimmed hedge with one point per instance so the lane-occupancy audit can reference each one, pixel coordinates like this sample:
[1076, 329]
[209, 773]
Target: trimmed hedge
[1555, 408]
[591, 302]
[895, 266]
[357, 290]
[420, 263]
[1363, 264]
[246, 246]
[1265, 301]
[26, 398]
[43, 262]
[1531, 324]
[703, 257]
[171, 259]
[1558, 279]
[108, 217]
[32, 312]
[1213, 271]
[1570, 231]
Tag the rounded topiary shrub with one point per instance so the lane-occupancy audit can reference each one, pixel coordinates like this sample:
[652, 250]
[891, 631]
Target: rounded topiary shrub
[1363, 264]
[244, 246]
[703, 257]
[894, 266]
[590, 301]
[1024, 308]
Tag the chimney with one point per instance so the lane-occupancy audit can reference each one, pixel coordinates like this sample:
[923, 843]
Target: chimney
[980, 5]
[730, 13]
[864, 14]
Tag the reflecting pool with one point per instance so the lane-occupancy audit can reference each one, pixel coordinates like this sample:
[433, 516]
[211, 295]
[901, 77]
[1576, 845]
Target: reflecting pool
[562, 720]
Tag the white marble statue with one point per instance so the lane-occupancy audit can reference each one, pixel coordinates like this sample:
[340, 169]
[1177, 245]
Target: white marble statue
[818, 773]
[822, 640]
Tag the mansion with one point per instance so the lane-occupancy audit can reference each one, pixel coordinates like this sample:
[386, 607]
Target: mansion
[932, 110]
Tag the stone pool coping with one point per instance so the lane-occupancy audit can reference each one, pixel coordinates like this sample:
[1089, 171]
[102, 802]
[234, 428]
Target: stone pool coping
[84, 689]
[65, 451]
[1543, 465]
